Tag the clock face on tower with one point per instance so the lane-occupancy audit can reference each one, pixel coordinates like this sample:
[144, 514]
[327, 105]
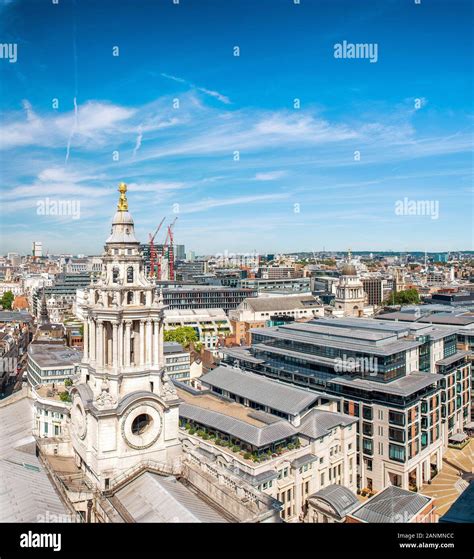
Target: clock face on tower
[142, 425]
[78, 419]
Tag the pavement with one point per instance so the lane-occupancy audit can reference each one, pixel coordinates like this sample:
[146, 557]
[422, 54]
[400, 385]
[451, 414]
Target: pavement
[446, 487]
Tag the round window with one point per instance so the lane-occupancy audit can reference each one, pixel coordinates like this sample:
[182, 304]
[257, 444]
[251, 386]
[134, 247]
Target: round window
[141, 423]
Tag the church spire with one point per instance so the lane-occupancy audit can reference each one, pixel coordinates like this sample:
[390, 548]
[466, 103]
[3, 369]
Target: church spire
[44, 315]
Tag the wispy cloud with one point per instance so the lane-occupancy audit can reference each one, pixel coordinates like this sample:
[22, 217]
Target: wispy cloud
[222, 98]
[270, 176]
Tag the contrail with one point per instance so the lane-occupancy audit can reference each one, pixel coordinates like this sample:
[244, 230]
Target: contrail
[74, 128]
[139, 141]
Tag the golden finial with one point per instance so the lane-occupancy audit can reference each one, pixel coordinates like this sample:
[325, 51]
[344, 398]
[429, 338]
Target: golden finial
[123, 202]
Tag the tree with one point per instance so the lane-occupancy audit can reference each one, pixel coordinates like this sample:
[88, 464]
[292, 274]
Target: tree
[184, 335]
[407, 297]
[7, 300]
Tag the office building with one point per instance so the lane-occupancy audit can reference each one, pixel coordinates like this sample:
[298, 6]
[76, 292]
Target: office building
[407, 384]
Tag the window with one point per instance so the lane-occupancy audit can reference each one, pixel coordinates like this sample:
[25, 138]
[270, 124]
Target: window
[322, 480]
[130, 274]
[115, 275]
[396, 452]
[395, 417]
[380, 431]
[367, 429]
[397, 435]
[141, 423]
[380, 448]
[380, 414]
[367, 446]
[367, 412]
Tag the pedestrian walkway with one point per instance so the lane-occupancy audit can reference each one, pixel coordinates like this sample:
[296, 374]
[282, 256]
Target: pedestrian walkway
[446, 487]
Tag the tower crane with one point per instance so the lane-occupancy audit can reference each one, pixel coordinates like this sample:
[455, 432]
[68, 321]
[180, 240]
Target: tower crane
[153, 249]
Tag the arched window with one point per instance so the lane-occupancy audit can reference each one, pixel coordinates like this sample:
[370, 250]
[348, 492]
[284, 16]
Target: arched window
[129, 297]
[115, 275]
[130, 274]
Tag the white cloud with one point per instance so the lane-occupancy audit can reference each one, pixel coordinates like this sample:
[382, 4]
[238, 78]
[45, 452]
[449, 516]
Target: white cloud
[270, 176]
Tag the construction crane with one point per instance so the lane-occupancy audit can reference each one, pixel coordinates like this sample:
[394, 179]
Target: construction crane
[168, 244]
[171, 250]
[153, 250]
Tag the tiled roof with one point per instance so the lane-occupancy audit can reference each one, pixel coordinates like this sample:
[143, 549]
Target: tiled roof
[238, 429]
[340, 498]
[393, 504]
[154, 498]
[257, 388]
[26, 493]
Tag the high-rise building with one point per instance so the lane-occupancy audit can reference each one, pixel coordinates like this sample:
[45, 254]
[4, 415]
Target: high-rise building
[374, 288]
[37, 249]
[179, 252]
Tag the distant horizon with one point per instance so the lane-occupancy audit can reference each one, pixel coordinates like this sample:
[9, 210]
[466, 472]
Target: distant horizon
[276, 253]
[321, 123]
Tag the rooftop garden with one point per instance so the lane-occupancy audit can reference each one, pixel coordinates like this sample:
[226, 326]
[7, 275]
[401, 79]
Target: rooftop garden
[241, 448]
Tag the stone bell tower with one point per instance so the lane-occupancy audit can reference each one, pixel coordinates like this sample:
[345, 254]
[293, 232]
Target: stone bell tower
[125, 408]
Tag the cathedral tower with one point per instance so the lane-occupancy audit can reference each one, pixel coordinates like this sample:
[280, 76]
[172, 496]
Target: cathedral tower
[350, 295]
[125, 408]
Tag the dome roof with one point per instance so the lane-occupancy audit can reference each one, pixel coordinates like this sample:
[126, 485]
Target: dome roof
[123, 229]
[349, 270]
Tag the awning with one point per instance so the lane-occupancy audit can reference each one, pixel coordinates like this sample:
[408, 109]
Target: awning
[458, 437]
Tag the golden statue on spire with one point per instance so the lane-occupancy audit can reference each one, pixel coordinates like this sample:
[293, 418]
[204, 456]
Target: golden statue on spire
[122, 205]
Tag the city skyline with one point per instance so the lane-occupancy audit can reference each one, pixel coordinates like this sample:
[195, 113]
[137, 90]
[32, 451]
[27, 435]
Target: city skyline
[298, 184]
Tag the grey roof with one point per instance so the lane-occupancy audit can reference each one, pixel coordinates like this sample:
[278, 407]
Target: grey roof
[154, 498]
[236, 428]
[15, 316]
[303, 460]
[26, 493]
[172, 347]
[241, 353]
[458, 437]
[401, 387]
[259, 304]
[453, 358]
[257, 388]
[54, 355]
[340, 498]
[393, 504]
[304, 333]
[437, 318]
[318, 423]
[260, 478]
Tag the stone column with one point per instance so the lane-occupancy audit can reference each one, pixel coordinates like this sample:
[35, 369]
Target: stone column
[114, 345]
[155, 343]
[100, 343]
[92, 337]
[161, 360]
[86, 340]
[148, 342]
[141, 360]
[120, 345]
[126, 357]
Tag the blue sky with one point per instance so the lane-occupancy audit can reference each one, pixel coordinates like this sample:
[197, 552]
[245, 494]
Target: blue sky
[298, 184]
